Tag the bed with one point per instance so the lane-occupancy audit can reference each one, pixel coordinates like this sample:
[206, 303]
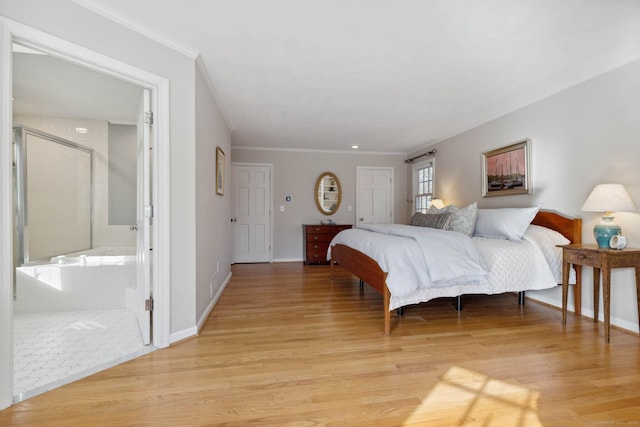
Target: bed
[354, 258]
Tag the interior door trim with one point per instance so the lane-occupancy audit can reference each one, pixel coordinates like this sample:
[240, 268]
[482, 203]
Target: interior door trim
[11, 31]
[271, 215]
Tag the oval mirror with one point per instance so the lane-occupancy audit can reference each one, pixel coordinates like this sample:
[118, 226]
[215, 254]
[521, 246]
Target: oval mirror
[328, 193]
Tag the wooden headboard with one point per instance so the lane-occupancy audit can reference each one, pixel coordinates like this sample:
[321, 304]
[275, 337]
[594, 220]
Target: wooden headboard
[571, 228]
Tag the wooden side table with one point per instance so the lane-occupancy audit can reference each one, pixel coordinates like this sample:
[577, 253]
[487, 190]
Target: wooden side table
[316, 239]
[602, 260]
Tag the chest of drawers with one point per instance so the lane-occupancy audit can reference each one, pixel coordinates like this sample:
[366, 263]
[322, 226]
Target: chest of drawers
[316, 239]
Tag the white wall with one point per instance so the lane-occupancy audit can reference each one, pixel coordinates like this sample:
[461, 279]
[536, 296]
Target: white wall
[97, 139]
[583, 136]
[295, 174]
[213, 254]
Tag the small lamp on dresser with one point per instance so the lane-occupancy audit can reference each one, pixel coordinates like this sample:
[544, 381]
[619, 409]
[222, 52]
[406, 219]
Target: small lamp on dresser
[607, 198]
[437, 203]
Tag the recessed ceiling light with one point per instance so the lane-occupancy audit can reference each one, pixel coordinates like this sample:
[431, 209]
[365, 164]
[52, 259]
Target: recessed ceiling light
[355, 147]
[81, 130]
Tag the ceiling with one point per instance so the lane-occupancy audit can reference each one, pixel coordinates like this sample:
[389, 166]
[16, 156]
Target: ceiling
[387, 76]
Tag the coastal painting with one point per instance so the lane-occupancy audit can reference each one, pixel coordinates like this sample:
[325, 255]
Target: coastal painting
[506, 170]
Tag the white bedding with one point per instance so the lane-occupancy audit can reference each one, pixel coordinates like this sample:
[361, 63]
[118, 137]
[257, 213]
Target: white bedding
[425, 263]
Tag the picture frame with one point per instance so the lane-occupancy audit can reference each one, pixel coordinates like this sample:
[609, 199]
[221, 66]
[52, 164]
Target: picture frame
[219, 171]
[507, 170]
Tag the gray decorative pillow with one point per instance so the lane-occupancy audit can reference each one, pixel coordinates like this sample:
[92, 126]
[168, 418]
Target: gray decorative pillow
[463, 219]
[440, 220]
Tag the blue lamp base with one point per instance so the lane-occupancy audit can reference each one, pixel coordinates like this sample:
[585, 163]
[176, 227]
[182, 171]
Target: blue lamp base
[605, 230]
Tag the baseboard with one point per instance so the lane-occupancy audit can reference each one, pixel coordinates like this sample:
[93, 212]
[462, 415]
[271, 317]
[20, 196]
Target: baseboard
[183, 334]
[213, 303]
[586, 312]
[195, 330]
[549, 301]
[288, 260]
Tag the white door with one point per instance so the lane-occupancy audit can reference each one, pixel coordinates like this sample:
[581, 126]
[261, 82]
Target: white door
[374, 195]
[137, 300]
[252, 213]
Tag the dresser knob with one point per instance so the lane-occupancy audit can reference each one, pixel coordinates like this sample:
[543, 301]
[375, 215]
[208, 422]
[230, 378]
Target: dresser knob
[315, 237]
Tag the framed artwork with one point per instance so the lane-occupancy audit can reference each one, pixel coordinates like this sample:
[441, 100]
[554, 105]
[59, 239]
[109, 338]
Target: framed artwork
[219, 171]
[507, 170]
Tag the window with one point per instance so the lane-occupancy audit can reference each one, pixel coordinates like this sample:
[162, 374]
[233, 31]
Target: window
[423, 185]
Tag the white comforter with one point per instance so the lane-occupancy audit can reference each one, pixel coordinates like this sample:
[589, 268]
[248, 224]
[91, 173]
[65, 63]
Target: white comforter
[417, 256]
[424, 263]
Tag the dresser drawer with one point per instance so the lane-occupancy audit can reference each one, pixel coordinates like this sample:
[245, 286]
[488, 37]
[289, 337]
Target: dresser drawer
[312, 237]
[316, 256]
[588, 258]
[317, 246]
[326, 229]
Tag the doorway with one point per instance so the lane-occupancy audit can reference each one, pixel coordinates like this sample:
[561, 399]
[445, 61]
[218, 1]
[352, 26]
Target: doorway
[157, 262]
[78, 300]
[252, 219]
[374, 195]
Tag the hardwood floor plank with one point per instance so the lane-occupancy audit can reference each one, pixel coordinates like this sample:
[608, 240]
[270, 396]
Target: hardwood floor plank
[286, 346]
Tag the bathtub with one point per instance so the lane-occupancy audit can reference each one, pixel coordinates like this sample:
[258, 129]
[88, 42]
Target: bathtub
[100, 278]
[108, 255]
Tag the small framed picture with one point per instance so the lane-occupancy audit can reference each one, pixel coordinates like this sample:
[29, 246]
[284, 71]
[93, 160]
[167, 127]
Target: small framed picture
[219, 171]
[507, 170]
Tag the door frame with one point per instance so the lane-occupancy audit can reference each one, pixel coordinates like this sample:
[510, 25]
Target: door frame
[143, 220]
[11, 31]
[271, 211]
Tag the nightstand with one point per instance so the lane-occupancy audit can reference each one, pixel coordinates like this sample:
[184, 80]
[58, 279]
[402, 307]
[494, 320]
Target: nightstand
[602, 260]
[316, 239]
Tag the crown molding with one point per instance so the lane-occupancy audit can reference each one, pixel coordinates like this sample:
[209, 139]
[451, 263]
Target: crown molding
[117, 17]
[315, 150]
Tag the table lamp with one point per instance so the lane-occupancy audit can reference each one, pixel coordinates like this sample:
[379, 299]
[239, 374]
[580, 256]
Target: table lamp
[607, 198]
[438, 203]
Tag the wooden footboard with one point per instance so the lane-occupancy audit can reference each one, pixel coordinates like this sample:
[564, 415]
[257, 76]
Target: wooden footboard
[367, 270]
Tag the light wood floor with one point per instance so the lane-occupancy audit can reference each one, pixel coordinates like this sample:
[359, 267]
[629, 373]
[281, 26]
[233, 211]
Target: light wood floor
[286, 346]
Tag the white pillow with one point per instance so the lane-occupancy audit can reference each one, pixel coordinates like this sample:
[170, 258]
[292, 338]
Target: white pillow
[547, 239]
[504, 223]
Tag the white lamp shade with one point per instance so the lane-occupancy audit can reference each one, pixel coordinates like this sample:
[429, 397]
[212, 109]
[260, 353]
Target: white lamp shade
[609, 198]
[438, 203]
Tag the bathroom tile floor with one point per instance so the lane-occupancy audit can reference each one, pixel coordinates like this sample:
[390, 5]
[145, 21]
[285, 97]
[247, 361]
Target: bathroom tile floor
[53, 349]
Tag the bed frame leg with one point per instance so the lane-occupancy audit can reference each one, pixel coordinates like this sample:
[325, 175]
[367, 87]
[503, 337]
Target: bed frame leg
[387, 313]
[361, 284]
[400, 311]
[459, 304]
[521, 297]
